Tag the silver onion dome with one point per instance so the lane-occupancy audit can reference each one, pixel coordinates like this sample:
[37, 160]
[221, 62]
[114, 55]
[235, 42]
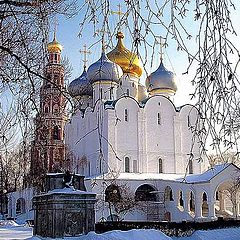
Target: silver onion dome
[161, 80]
[104, 70]
[80, 86]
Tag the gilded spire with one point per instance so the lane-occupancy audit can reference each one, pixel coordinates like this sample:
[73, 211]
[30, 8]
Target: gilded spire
[54, 46]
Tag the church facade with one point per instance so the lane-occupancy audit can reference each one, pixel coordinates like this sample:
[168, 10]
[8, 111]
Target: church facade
[138, 152]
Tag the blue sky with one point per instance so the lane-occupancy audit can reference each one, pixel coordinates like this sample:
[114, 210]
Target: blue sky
[174, 60]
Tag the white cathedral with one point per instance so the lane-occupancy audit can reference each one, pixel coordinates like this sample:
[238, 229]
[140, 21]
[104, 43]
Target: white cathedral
[130, 141]
[137, 150]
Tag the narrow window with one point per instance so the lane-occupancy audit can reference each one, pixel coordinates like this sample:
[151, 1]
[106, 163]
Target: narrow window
[101, 93]
[46, 109]
[135, 166]
[111, 93]
[133, 85]
[121, 83]
[190, 166]
[126, 115]
[127, 164]
[55, 58]
[160, 165]
[128, 92]
[89, 169]
[158, 119]
[56, 133]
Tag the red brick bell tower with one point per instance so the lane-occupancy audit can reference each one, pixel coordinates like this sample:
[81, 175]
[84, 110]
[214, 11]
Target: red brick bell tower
[48, 150]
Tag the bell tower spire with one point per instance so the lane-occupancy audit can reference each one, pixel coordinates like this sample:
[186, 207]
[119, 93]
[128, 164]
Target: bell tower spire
[48, 149]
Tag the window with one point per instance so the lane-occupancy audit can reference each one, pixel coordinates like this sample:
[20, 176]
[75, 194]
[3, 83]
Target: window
[89, 169]
[111, 93]
[121, 83]
[168, 194]
[181, 203]
[55, 58]
[158, 119]
[55, 108]
[101, 93]
[133, 85]
[46, 109]
[160, 165]
[128, 92]
[56, 133]
[127, 164]
[126, 115]
[135, 166]
[190, 166]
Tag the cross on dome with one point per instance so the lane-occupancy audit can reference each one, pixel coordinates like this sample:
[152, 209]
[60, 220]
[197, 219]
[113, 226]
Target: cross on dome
[85, 52]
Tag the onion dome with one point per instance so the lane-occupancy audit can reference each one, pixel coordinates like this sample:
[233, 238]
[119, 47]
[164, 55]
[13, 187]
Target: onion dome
[104, 70]
[161, 81]
[54, 46]
[127, 60]
[80, 86]
[142, 92]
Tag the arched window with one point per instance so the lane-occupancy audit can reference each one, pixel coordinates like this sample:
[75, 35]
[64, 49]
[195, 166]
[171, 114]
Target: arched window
[101, 93]
[55, 58]
[112, 194]
[168, 194]
[127, 164]
[158, 119]
[128, 93]
[190, 166]
[133, 85]
[192, 202]
[55, 108]
[56, 133]
[21, 206]
[160, 165]
[181, 203]
[146, 193]
[126, 115]
[46, 109]
[121, 83]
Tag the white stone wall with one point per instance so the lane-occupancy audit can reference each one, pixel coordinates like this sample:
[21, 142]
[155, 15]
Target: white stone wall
[155, 130]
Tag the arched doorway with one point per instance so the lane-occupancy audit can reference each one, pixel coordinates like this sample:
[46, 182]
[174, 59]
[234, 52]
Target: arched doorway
[227, 197]
[146, 193]
[148, 196]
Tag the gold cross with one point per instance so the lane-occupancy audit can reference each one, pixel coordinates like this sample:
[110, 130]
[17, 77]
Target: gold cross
[103, 31]
[55, 27]
[161, 48]
[119, 12]
[85, 52]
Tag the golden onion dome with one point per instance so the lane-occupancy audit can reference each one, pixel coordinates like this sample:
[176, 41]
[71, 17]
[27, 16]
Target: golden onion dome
[54, 46]
[127, 60]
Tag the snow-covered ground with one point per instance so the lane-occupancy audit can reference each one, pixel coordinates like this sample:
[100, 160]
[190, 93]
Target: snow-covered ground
[9, 230]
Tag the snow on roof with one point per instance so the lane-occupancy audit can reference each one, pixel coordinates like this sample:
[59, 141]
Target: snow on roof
[192, 178]
[138, 176]
[206, 176]
[66, 191]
